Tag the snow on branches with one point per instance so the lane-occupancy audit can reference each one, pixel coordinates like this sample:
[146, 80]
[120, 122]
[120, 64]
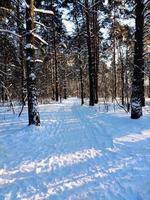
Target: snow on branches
[44, 11]
[39, 38]
[11, 32]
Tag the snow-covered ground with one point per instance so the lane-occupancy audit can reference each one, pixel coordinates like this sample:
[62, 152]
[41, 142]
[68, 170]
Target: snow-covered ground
[78, 153]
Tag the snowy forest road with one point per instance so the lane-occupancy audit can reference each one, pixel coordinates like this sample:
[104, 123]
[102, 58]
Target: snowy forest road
[78, 153]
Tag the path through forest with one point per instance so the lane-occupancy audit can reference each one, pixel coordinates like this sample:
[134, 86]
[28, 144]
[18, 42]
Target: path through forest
[77, 154]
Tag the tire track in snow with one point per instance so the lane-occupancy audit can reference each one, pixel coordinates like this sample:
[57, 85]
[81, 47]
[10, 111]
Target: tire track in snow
[72, 114]
[92, 129]
[97, 131]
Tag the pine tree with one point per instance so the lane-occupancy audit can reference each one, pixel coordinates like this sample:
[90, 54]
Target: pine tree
[90, 63]
[138, 79]
[21, 50]
[33, 114]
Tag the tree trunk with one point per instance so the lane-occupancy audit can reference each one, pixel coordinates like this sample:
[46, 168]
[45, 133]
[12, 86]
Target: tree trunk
[114, 61]
[137, 98]
[149, 84]
[96, 47]
[82, 86]
[21, 53]
[127, 83]
[122, 76]
[65, 85]
[53, 80]
[56, 67]
[33, 114]
[91, 67]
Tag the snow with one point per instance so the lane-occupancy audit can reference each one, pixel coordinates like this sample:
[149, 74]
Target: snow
[11, 32]
[30, 46]
[78, 153]
[39, 38]
[29, 58]
[41, 24]
[50, 12]
[5, 9]
[32, 76]
[24, 1]
[39, 61]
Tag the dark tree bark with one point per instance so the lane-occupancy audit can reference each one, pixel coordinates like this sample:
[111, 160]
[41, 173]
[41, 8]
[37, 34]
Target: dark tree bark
[137, 98]
[114, 56]
[122, 77]
[65, 86]
[149, 84]
[3, 94]
[82, 86]
[90, 64]
[33, 114]
[4, 82]
[96, 46]
[56, 67]
[53, 80]
[127, 83]
[80, 63]
[21, 52]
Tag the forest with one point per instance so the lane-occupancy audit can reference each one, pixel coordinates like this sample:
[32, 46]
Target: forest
[74, 99]
[105, 56]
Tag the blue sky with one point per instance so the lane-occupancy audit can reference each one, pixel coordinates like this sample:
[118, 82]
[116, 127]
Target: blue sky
[69, 25]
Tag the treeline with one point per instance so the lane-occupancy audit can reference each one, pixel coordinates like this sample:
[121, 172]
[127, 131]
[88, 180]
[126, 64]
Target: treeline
[106, 55]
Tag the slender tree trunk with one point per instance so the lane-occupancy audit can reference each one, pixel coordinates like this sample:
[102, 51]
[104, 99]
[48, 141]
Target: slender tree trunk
[21, 53]
[91, 67]
[137, 98]
[60, 82]
[127, 83]
[82, 86]
[80, 66]
[96, 47]
[122, 77]
[149, 84]
[3, 96]
[33, 114]
[55, 88]
[65, 86]
[2, 83]
[114, 61]
[56, 68]
[5, 81]
[122, 85]
[53, 80]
